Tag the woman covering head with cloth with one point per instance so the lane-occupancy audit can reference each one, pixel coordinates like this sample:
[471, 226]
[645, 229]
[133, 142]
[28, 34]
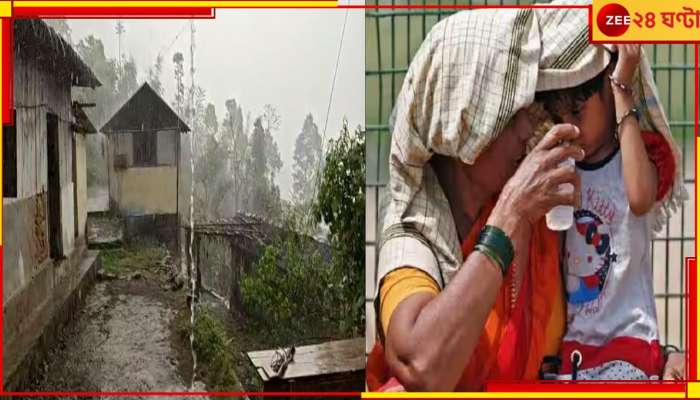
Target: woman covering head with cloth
[470, 287]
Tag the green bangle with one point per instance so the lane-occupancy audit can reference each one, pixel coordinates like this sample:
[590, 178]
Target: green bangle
[495, 236]
[499, 244]
[488, 252]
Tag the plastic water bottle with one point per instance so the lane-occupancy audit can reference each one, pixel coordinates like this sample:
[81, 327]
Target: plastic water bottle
[560, 218]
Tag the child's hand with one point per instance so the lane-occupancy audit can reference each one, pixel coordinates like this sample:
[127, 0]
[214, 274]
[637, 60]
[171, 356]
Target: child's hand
[628, 59]
[674, 369]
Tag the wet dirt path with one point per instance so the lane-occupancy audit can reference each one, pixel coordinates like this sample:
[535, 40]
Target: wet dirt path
[125, 339]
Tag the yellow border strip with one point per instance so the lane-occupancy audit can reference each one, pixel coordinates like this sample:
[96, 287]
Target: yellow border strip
[5, 8]
[527, 395]
[693, 390]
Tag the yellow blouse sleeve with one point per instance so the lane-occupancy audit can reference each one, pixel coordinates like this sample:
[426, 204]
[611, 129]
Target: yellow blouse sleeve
[397, 285]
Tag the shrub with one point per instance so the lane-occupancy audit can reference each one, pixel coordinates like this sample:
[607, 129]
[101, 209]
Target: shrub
[341, 205]
[292, 292]
[214, 352]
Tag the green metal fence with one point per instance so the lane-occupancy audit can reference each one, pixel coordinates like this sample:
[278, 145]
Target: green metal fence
[392, 38]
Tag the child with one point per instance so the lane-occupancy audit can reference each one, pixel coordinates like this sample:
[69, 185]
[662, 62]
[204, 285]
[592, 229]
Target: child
[611, 329]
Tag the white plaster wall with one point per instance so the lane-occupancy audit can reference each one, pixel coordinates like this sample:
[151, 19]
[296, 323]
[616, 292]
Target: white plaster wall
[81, 182]
[67, 218]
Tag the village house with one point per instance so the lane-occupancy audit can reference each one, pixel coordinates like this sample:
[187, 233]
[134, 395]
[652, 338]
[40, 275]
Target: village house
[45, 257]
[148, 162]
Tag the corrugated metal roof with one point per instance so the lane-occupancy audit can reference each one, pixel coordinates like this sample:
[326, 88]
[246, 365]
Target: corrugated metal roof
[251, 232]
[52, 51]
[145, 111]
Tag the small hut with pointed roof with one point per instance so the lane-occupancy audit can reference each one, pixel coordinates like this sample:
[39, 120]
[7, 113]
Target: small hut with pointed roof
[148, 160]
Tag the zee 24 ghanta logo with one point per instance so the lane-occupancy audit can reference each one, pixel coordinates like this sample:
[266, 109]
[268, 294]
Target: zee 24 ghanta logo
[614, 20]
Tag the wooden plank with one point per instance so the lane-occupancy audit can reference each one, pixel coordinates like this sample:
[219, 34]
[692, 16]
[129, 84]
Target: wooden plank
[334, 357]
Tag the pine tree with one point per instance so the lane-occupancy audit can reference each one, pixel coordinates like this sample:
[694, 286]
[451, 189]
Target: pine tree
[307, 158]
[179, 102]
[154, 73]
[257, 168]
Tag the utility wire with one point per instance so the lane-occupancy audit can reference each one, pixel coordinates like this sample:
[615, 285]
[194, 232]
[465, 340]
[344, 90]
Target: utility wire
[335, 73]
[330, 102]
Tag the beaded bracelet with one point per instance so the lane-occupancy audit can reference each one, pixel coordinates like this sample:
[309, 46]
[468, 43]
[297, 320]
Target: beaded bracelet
[620, 85]
[495, 244]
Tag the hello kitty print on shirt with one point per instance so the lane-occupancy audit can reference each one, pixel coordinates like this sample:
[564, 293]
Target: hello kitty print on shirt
[611, 311]
[589, 256]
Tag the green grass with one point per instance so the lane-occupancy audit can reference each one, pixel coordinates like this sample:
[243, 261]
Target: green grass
[216, 354]
[134, 257]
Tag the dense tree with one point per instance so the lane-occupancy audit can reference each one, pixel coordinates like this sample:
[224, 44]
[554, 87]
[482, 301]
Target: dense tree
[341, 205]
[262, 163]
[119, 80]
[233, 133]
[210, 122]
[292, 289]
[92, 51]
[257, 168]
[211, 180]
[179, 102]
[154, 73]
[196, 115]
[271, 122]
[307, 160]
[127, 82]
[106, 99]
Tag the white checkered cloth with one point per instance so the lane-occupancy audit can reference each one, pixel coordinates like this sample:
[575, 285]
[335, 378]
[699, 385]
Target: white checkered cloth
[472, 73]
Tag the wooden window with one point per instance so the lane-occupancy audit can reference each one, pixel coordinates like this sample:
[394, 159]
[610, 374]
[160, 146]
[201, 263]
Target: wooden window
[9, 159]
[145, 148]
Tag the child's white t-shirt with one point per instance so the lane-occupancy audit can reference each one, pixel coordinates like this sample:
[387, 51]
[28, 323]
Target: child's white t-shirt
[611, 313]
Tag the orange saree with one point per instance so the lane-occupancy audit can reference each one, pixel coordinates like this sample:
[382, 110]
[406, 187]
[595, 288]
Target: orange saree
[512, 344]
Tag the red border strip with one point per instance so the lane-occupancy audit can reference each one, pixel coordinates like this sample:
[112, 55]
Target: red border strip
[106, 12]
[210, 394]
[7, 70]
[692, 309]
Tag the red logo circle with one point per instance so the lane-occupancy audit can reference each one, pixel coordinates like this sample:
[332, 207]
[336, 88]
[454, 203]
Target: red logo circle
[613, 19]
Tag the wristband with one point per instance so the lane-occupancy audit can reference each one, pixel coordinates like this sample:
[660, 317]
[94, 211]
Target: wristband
[631, 112]
[668, 349]
[495, 244]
